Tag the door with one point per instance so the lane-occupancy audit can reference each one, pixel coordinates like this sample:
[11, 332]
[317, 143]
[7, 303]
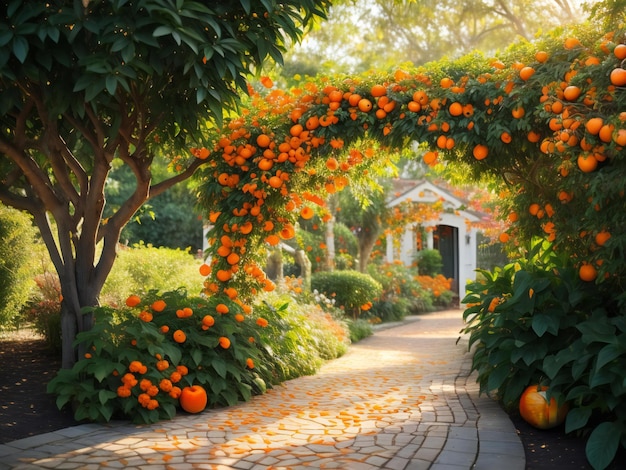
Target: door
[446, 240]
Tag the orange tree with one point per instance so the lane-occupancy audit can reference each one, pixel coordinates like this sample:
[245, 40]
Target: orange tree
[546, 119]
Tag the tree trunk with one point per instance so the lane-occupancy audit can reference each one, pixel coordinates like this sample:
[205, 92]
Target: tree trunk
[330, 244]
[367, 241]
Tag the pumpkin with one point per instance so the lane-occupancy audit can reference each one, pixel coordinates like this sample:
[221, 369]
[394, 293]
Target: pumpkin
[536, 411]
[193, 399]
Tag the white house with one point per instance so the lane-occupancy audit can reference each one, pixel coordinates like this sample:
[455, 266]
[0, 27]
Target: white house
[451, 233]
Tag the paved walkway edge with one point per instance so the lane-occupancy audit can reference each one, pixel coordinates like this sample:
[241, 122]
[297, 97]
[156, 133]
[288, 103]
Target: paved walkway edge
[488, 435]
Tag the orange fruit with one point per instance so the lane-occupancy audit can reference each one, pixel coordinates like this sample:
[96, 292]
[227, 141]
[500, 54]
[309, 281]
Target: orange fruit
[378, 90]
[480, 152]
[587, 163]
[534, 136]
[446, 82]
[312, 123]
[455, 109]
[541, 56]
[504, 237]
[513, 217]
[571, 93]
[179, 336]
[430, 158]
[618, 76]
[133, 300]
[222, 309]
[354, 99]
[365, 105]
[307, 213]
[620, 51]
[606, 133]
[232, 258]
[571, 43]
[223, 275]
[505, 137]
[533, 209]
[205, 269]
[526, 72]
[414, 106]
[158, 305]
[587, 273]
[296, 130]
[620, 137]
[594, 125]
[602, 237]
[518, 112]
[332, 164]
[263, 140]
[224, 342]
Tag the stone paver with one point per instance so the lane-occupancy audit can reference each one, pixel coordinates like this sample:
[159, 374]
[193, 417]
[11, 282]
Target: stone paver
[402, 399]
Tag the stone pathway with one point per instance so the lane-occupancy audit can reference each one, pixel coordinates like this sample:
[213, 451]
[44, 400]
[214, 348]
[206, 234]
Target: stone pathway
[399, 400]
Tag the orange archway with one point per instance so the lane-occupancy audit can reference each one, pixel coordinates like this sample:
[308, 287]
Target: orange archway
[547, 122]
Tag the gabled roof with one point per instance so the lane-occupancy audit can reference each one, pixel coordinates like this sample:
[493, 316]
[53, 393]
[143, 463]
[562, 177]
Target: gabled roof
[426, 191]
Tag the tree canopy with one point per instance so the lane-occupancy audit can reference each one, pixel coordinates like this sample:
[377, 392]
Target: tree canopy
[360, 35]
[86, 83]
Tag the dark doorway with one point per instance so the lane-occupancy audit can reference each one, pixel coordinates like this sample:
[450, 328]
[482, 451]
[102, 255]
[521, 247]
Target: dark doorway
[446, 240]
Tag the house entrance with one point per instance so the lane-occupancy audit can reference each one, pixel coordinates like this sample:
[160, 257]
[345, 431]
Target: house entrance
[446, 240]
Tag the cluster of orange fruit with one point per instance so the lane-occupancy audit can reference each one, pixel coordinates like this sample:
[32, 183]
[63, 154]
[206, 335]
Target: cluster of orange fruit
[264, 161]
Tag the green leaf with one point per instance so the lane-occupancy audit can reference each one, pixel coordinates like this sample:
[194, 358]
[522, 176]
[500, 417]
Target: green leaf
[196, 355]
[576, 419]
[497, 376]
[162, 31]
[111, 84]
[173, 352]
[607, 354]
[543, 322]
[219, 366]
[20, 48]
[602, 445]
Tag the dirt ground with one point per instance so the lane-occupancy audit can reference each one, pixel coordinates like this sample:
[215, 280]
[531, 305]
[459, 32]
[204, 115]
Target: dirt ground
[26, 409]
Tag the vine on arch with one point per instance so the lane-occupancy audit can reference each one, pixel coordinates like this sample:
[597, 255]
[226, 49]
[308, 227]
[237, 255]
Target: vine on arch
[545, 117]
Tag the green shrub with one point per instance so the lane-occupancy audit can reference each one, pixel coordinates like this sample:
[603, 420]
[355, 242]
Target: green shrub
[401, 293]
[43, 310]
[143, 267]
[134, 351]
[136, 368]
[535, 321]
[16, 246]
[299, 337]
[429, 262]
[359, 329]
[350, 289]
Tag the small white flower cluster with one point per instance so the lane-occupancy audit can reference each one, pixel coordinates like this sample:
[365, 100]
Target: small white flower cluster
[322, 299]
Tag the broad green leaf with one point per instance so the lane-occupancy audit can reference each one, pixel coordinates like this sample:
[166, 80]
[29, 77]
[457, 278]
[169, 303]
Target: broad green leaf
[576, 419]
[607, 354]
[602, 445]
[20, 48]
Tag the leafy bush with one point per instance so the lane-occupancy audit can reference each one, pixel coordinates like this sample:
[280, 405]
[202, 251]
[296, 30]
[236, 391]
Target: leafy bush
[16, 244]
[429, 262]
[535, 321]
[400, 292]
[439, 288]
[43, 309]
[299, 337]
[136, 368]
[359, 329]
[140, 357]
[350, 289]
[142, 267]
